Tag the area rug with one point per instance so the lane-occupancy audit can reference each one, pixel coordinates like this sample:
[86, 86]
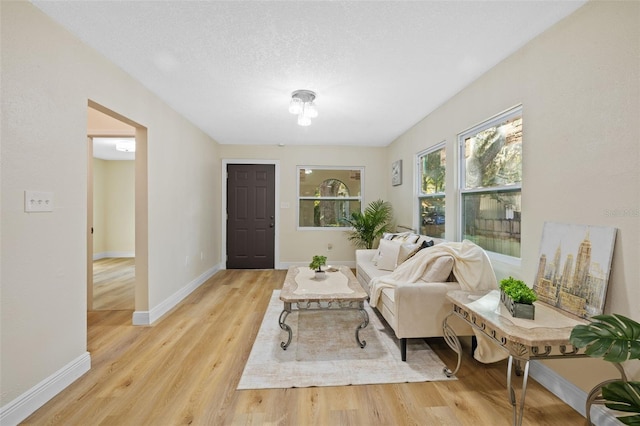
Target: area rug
[324, 352]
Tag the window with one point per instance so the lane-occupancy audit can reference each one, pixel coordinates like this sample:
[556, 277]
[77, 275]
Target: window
[328, 195]
[431, 199]
[491, 182]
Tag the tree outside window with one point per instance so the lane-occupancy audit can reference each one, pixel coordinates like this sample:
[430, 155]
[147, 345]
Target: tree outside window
[431, 195]
[328, 195]
[491, 189]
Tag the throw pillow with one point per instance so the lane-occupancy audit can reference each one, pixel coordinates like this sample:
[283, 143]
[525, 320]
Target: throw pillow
[407, 250]
[439, 271]
[404, 237]
[425, 238]
[388, 255]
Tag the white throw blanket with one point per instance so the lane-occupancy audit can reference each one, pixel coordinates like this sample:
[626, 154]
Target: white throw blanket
[472, 269]
[471, 266]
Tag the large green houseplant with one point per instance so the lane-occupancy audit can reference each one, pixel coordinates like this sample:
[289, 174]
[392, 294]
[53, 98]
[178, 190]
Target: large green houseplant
[371, 224]
[614, 338]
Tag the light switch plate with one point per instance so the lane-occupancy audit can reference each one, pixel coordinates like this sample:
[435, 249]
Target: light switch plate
[38, 201]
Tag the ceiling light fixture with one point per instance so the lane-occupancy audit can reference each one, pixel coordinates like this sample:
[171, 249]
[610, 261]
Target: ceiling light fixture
[303, 105]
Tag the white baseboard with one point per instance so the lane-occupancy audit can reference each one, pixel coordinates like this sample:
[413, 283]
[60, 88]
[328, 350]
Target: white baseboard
[149, 317]
[106, 254]
[570, 394]
[27, 403]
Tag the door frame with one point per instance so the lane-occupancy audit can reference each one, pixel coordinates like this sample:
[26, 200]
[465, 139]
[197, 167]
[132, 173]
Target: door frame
[223, 207]
[141, 304]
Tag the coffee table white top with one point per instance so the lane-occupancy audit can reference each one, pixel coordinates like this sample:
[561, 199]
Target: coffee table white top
[300, 285]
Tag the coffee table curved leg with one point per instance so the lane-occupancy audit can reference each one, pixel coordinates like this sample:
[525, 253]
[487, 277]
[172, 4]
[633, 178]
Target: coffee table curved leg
[364, 324]
[283, 316]
[453, 342]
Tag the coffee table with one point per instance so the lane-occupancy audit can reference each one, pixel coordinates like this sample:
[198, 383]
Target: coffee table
[339, 290]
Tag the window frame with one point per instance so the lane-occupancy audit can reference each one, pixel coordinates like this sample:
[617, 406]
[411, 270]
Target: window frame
[493, 121]
[419, 195]
[359, 197]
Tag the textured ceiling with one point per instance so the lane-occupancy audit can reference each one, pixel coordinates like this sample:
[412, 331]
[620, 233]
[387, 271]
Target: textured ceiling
[377, 67]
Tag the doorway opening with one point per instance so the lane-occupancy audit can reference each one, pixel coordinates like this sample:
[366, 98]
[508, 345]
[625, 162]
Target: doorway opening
[116, 212]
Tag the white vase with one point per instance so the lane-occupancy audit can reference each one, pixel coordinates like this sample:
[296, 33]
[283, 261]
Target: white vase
[321, 275]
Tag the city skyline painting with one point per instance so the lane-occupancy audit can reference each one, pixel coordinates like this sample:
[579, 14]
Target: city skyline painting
[574, 267]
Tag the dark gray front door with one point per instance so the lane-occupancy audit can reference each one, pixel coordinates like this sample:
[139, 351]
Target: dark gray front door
[250, 216]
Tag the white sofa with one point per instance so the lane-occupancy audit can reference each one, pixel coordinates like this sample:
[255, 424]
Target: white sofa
[416, 309]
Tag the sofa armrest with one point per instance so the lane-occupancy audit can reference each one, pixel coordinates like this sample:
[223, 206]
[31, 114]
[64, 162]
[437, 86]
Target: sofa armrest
[421, 307]
[365, 255]
[422, 296]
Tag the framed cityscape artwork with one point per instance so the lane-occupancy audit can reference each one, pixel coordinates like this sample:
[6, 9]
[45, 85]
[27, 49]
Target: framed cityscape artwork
[575, 262]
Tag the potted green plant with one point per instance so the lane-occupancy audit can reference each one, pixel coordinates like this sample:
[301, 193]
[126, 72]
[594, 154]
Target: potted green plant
[371, 224]
[316, 264]
[518, 298]
[614, 338]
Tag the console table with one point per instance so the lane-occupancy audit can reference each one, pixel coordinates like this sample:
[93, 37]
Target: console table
[546, 337]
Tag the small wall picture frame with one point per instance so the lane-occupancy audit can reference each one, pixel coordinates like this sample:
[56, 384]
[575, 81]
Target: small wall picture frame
[396, 173]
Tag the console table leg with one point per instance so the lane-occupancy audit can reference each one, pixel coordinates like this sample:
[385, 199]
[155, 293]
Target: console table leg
[518, 411]
[283, 316]
[365, 322]
[453, 342]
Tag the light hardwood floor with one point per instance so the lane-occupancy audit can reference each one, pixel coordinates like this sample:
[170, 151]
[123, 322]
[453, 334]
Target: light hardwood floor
[114, 283]
[185, 368]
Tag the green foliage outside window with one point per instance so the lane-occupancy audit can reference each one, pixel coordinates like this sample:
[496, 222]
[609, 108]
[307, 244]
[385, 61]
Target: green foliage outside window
[494, 156]
[433, 172]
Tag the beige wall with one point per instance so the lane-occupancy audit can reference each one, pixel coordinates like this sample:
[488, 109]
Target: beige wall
[113, 207]
[300, 246]
[48, 76]
[579, 84]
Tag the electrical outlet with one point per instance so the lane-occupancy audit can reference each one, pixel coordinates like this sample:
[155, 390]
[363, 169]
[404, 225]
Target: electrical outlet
[38, 201]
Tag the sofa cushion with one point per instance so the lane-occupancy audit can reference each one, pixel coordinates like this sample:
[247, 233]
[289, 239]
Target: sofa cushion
[388, 254]
[368, 271]
[439, 271]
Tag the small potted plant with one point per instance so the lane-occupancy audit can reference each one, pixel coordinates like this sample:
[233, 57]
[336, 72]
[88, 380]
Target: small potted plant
[316, 264]
[518, 298]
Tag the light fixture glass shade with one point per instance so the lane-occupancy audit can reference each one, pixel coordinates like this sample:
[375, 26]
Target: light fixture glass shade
[295, 106]
[303, 105]
[310, 110]
[303, 121]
